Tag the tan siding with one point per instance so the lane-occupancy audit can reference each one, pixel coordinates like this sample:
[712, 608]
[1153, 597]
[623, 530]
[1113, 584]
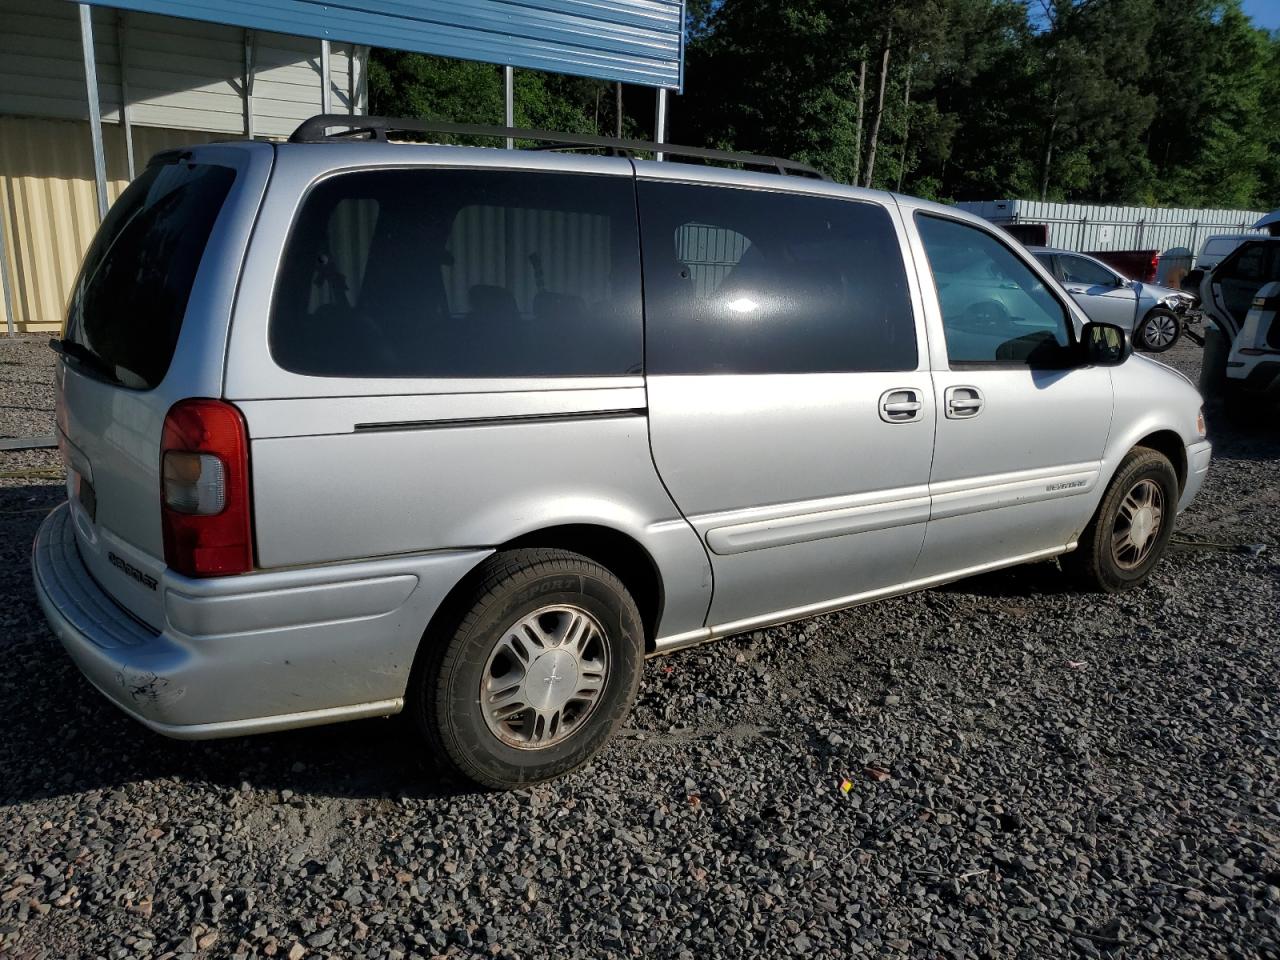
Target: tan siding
[49, 206]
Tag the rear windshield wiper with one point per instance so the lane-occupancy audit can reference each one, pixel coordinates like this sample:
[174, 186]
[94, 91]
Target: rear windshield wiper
[83, 355]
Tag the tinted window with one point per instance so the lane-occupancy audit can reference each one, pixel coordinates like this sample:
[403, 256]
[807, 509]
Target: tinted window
[744, 281]
[1080, 270]
[994, 307]
[128, 302]
[461, 273]
[1255, 262]
[1242, 274]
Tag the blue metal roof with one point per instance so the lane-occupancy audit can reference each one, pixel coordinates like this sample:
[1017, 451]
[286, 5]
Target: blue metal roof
[634, 41]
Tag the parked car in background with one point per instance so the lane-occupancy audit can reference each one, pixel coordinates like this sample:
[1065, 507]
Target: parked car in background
[1215, 248]
[1240, 298]
[1155, 315]
[355, 427]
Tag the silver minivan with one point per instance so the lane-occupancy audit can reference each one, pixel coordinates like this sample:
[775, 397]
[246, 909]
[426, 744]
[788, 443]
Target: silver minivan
[355, 426]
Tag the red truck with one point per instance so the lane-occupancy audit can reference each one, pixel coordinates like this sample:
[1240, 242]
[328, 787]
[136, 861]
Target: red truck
[1134, 264]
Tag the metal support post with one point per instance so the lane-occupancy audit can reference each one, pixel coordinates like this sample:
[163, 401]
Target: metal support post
[250, 67]
[509, 99]
[326, 81]
[361, 99]
[660, 121]
[95, 110]
[122, 45]
[9, 320]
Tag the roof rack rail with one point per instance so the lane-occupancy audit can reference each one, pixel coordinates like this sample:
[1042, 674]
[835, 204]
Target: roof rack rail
[316, 130]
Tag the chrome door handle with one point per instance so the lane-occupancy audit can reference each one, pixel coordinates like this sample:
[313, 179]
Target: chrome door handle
[902, 405]
[962, 403]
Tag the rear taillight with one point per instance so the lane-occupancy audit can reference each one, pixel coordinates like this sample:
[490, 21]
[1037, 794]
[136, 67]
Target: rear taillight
[204, 489]
[1153, 268]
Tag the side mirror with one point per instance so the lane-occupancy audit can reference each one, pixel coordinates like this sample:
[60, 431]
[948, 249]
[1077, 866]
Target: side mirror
[1191, 281]
[1106, 345]
[1123, 282]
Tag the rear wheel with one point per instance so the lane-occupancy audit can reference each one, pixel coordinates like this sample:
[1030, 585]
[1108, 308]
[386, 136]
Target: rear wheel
[1131, 530]
[1159, 331]
[535, 672]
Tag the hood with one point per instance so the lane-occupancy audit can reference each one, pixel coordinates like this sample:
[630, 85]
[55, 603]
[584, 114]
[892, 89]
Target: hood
[1158, 292]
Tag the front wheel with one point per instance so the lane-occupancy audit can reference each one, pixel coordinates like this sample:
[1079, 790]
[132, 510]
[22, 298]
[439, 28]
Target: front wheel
[534, 673]
[1159, 331]
[1131, 529]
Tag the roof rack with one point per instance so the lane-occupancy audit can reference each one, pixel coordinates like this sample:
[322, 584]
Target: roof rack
[316, 130]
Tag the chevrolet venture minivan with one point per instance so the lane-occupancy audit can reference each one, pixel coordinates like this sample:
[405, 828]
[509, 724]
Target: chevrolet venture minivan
[355, 426]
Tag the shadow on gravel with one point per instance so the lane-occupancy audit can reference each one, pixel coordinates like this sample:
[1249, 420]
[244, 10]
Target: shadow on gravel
[1237, 441]
[1033, 580]
[59, 736]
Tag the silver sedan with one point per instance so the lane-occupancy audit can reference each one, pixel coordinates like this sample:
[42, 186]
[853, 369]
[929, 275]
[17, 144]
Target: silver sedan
[1152, 313]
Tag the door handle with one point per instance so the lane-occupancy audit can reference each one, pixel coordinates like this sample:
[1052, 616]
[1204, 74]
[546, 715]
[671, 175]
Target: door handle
[901, 405]
[1076, 290]
[962, 403]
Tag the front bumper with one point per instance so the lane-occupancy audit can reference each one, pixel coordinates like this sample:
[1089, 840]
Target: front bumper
[238, 655]
[1198, 456]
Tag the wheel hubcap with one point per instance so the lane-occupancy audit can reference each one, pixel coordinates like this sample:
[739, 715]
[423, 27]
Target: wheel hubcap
[544, 677]
[1160, 331]
[1138, 524]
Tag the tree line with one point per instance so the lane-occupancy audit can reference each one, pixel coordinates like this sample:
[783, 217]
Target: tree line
[1151, 102]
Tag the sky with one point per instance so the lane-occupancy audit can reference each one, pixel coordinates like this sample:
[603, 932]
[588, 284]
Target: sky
[1265, 13]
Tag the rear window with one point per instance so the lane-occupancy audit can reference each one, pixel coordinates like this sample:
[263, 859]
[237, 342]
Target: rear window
[1219, 248]
[461, 273]
[128, 302]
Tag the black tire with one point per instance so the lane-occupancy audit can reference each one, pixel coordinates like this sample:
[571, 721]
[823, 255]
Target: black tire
[1158, 318]
[445, 691]
[1094, 563]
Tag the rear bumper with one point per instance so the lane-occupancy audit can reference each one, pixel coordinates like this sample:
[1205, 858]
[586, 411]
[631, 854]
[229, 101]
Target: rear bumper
[238, 655]
[1198, 456]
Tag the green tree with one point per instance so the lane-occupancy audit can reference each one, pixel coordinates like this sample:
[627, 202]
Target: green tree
[1141, 101]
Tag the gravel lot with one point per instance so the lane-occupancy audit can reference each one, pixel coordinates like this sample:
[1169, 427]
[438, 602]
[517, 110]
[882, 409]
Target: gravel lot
[1034, 773]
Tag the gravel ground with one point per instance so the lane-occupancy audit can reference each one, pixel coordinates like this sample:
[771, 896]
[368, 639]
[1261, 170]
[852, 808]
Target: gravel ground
[1033, 773]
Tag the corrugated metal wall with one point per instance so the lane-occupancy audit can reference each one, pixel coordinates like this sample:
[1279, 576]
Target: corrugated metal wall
[635, 41]
[1086, 226]
[48, 206]
[181, 74]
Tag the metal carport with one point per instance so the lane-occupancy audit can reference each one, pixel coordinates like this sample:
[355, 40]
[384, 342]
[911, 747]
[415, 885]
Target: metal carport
[625, 41]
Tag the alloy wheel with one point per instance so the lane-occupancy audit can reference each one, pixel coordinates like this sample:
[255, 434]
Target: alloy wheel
[1138, 523]
[544, 677]
[1160, 331]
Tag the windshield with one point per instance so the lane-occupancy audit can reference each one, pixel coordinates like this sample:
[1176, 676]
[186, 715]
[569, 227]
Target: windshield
[128, 302]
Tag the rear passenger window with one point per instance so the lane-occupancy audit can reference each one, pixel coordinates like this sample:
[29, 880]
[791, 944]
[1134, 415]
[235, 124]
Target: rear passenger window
[461, 273]
[747, 281]
[1080, 270]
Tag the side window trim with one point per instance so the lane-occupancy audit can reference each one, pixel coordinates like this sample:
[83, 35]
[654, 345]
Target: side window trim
[927, 282]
